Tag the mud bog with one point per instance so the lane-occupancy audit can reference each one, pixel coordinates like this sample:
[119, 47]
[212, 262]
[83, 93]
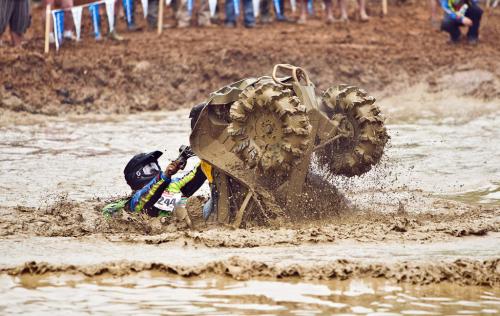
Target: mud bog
[421, 234]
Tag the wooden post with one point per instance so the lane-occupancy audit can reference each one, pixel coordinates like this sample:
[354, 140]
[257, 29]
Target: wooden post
[47, 28]
[160, 17]
[241, 211]
[384, 7]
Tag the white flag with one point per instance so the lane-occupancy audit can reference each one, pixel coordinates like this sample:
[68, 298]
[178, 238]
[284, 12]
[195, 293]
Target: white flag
[293, 4]
[212, 5]
[256, 7]
[168, 2]
[110, 12]
[77, 19]
[56, 38]
[145, 7]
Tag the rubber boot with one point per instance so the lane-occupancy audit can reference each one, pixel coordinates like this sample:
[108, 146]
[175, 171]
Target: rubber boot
[181, 214]
[113, 35]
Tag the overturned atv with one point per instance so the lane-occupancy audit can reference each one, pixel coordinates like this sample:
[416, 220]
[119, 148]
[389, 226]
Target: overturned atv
[261, 135]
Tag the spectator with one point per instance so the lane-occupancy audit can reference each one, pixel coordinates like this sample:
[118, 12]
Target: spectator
[130, 19]
[249, 18]
[265, 16]
[182, 14]
[16, 14]
[68, 21]
[362, 10]
[458, 13]
[328, 9]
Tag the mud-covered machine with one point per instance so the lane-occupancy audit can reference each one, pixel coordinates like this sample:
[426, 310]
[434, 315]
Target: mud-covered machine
[269, 139]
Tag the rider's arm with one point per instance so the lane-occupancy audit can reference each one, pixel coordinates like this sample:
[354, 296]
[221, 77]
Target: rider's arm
[189, 183]
[195, 180]
[150, 193]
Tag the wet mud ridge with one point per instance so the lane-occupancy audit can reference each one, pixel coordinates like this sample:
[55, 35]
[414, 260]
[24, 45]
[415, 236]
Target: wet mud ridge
[65, 218]
[255, 252]
[465, 272]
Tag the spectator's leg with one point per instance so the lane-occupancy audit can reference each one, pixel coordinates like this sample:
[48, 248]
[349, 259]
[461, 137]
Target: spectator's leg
[453, 27]
[329, 11]
[474, 13]
[277, 9]
[68, 19]
[362, 10]
[249, 17]
[6, 9]
[182, 15]
[265, 17]
[152, 16]
[343, 10]
[303, 11]
[282, 8]
[20, 20]
[230, 14]
[204, 14]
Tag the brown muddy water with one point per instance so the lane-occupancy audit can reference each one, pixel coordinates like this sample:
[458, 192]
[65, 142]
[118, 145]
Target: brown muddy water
[156, 294]
[430, 156]
[84, 158]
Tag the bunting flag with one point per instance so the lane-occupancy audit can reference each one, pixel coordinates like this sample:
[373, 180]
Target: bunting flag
[58, 18]
[77, 20]
[145, 7]
[236, 7]
[293, 4]
[256, 7]
[190, 7]
[212, 5]
[277, 7]
[310, 8]
[110, 12]
[96, 20]
[127, 7]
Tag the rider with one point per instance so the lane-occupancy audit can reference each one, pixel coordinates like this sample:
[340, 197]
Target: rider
[158, 193]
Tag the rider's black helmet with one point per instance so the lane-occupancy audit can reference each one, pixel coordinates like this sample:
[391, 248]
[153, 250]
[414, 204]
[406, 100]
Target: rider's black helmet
[136, 175]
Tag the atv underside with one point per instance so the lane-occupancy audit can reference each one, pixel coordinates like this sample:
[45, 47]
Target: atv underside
[262, 135]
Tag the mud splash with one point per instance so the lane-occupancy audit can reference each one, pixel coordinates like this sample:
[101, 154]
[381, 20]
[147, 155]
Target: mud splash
[75, 219]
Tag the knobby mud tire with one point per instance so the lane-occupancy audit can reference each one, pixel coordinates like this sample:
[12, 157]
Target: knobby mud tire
[270, 127]
[363, 134]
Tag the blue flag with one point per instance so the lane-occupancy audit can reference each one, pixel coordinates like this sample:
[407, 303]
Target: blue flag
[310, 8]
[127, 7]
[189, 7]
[277, 7]
[96, 20]
[60, 26]
[236, 7]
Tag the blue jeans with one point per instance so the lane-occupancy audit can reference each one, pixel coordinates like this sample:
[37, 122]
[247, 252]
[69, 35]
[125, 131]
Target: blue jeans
[249, 18]
[264, 8]
[452, 26]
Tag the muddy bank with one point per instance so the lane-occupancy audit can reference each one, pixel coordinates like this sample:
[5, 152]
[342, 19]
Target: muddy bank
[465, 272]
[182, 66]
[446, 220]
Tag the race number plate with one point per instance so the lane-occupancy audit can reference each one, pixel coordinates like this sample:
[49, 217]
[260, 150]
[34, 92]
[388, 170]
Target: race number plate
[167, 201]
